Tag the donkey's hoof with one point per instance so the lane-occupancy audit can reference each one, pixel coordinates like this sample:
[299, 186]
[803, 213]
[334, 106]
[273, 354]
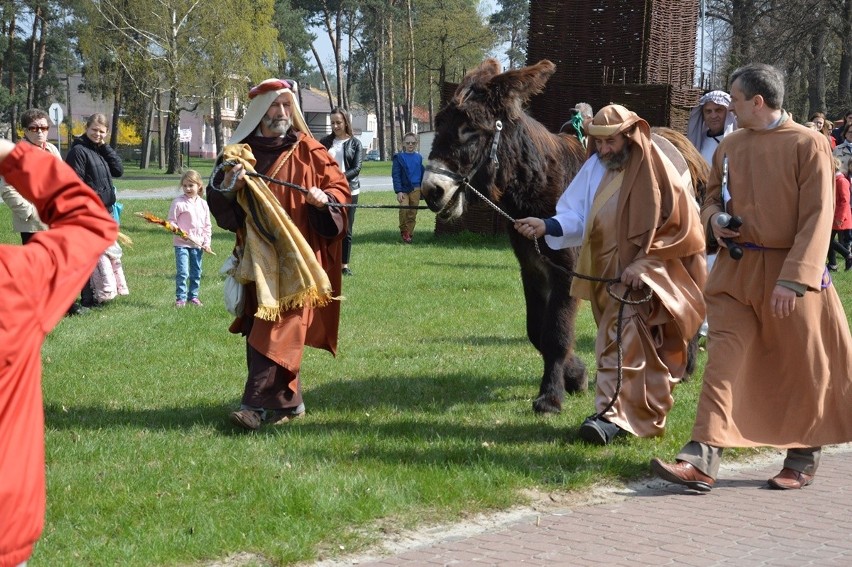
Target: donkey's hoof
[545, 404]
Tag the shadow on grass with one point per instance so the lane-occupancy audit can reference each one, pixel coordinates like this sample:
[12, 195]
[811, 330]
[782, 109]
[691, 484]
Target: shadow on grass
[503, 267]
[94, 417]
[583, 343]
[479, 340]
[420, 419]
[425, 438]
[419, 400]
[428, 239]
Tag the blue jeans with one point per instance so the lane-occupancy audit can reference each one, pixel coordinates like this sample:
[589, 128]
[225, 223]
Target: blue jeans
[188, 262]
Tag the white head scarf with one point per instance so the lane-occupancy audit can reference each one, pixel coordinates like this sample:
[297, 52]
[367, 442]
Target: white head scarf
[696, 129]
[262, 96]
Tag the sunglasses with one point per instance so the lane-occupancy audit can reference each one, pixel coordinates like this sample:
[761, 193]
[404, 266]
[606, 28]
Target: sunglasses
[38, 128]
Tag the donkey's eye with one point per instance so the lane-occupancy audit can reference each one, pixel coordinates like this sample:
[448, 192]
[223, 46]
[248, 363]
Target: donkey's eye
[467, 134]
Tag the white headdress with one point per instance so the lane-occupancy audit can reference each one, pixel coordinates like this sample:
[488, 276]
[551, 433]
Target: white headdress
[262, 96]
[696, 129]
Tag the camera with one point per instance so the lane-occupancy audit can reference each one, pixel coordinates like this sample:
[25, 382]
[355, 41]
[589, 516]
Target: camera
[732, 222]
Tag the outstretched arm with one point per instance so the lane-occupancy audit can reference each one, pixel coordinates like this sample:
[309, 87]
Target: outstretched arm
[46, 274]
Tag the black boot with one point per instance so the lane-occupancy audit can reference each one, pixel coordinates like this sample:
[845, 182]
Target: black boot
[599, 431]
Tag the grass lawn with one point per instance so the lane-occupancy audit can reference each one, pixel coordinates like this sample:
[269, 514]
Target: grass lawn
[424, 416]
[153, 178]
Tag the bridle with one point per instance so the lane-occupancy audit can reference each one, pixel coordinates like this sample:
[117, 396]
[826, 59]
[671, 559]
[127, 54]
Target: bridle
[465, 179]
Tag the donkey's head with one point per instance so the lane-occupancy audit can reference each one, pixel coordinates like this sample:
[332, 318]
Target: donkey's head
[465, 131]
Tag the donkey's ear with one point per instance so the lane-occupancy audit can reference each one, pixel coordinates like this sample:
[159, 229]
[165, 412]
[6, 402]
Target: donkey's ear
[519, 85]
[486, 70]
[475, 80]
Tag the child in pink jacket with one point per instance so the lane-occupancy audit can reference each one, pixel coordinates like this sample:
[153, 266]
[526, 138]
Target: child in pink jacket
[190, 213]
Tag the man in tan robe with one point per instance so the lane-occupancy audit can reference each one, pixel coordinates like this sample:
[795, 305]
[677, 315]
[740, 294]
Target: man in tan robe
[284, 148]
[637, 221]
[779, 346]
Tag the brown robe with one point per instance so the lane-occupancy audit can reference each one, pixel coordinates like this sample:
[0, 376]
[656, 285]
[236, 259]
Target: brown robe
[770, 381]
[310, 165]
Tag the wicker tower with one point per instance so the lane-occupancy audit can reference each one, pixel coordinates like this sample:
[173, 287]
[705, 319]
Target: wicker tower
[638, 53]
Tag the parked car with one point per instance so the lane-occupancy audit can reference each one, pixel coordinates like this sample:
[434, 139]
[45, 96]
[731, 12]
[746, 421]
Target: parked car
[372, 155]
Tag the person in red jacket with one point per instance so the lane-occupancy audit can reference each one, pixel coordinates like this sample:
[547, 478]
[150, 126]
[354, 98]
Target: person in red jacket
[841, 228]
[38, 281]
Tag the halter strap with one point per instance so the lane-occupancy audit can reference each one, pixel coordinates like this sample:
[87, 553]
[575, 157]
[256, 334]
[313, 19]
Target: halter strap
[492, 155]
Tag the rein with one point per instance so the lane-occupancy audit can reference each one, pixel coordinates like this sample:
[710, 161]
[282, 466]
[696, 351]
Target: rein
[298, 188]
[610, 282]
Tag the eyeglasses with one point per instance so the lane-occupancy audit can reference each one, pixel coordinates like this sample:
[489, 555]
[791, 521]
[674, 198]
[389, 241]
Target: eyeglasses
[410, 143]
[38, 128]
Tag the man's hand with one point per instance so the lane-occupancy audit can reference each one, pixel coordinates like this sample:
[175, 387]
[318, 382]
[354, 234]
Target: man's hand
[399, 197]
[783, 301]
[720, 233]
[316, 197]
[235, 173]
[632, 276]
[530, 227]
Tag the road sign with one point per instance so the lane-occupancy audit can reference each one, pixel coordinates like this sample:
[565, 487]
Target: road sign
[56, 113]
[185, 134]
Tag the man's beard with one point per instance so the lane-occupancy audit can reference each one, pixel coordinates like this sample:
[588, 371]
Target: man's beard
[277, 126]
[617, 161]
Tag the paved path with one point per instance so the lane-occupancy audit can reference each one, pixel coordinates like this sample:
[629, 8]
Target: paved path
[740, 523]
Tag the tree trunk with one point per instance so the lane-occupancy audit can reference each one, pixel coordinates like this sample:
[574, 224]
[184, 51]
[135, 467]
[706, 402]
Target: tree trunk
[351, 31]
[172, 133]
[338, 61]
[8, 65]
[161, 154]
[816, 71]
[431, 102]
[743, 19]
[5, 32]
[31, 54]
[31, 58]
[391, 87]
[844, 83]
[410, 75]
[42, 51]
[116, 110]
[69, 123]
[217, 123]
[145, 159]
[324, 77]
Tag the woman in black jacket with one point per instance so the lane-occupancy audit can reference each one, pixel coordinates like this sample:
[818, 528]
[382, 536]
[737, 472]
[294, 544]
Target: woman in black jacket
[95, 161]
[347, 150]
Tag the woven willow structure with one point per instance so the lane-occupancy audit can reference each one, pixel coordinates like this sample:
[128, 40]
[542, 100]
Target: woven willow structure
[638, 53]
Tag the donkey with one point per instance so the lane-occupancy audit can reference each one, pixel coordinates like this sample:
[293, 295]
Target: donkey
[485, 141]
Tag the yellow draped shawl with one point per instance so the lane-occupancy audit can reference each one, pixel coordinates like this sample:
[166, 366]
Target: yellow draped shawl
[276, 257]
